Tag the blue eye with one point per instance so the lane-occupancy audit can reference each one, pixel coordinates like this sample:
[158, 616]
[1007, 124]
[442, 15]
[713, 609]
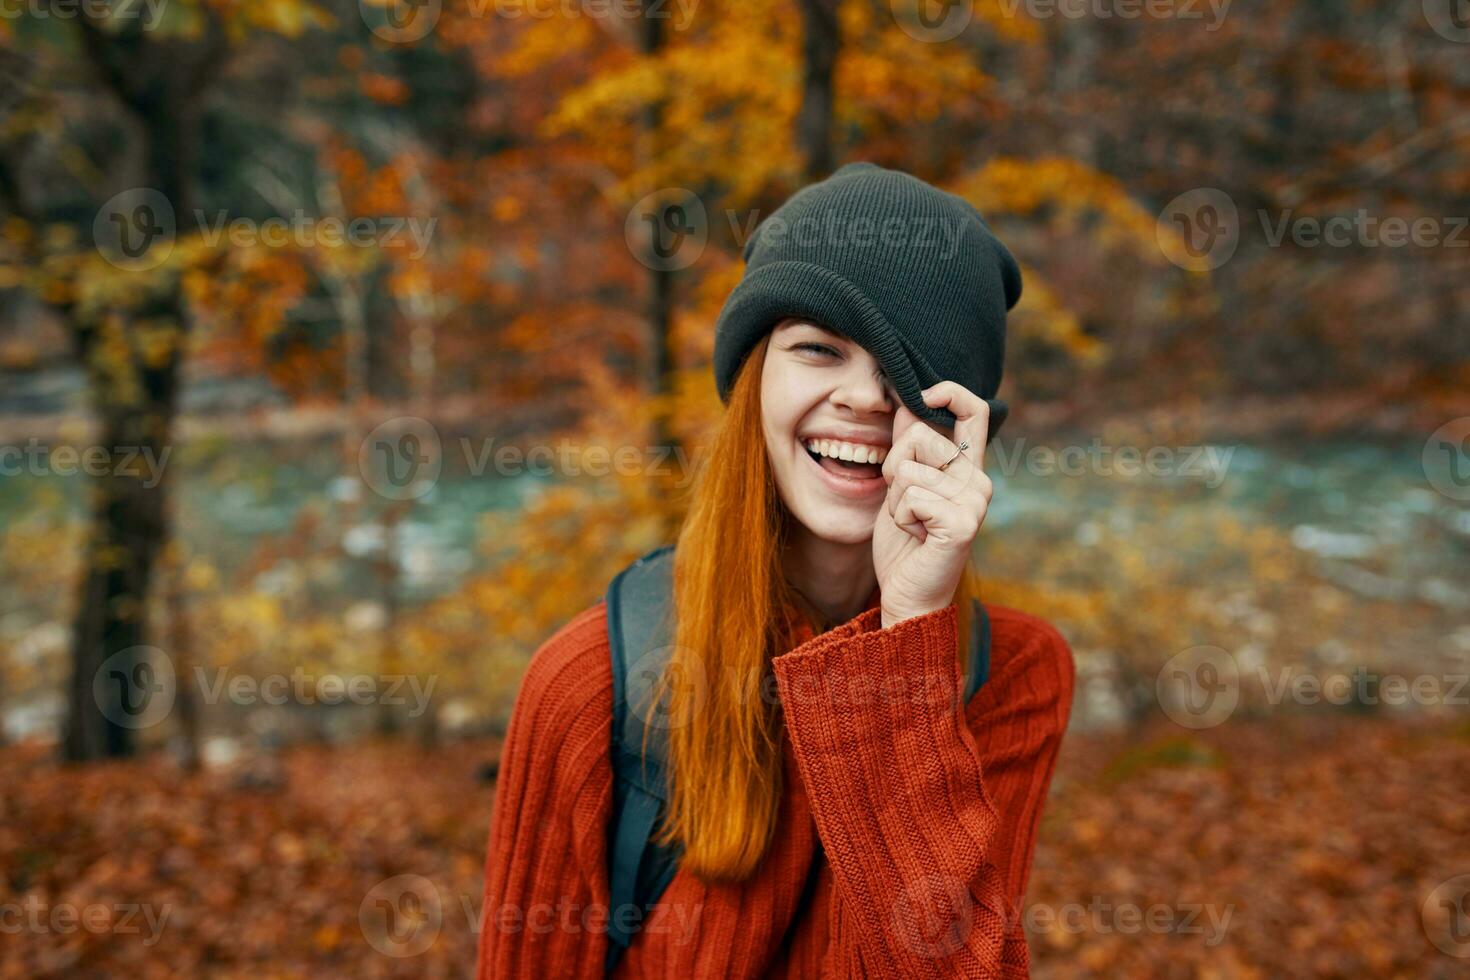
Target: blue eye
[820, 348]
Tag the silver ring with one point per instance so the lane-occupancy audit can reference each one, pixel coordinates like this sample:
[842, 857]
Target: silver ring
[957, 454]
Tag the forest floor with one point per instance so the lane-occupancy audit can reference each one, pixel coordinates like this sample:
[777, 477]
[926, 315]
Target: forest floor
[1308, 845]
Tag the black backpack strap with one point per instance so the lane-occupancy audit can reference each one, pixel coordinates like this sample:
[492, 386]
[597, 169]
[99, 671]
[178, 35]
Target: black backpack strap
[640, 632]
[979, 671]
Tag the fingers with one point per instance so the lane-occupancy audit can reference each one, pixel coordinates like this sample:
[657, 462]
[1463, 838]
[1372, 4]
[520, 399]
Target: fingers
[971, 412]
[921, 445]
[921, 512]
[912, 473]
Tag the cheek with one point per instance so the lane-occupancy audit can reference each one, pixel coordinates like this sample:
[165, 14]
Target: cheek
[785, 401]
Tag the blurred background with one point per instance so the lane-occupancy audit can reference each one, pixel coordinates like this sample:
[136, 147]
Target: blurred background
[348, 349]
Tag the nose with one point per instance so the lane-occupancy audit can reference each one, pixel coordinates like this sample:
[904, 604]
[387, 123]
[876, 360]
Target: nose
[863, 389]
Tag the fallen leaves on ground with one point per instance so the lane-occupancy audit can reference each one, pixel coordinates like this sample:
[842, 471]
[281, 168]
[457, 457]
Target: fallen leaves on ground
[1305, 846]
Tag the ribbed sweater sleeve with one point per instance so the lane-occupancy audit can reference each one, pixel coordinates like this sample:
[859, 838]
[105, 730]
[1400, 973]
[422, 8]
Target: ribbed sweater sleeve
[927, 812]
[545, 869]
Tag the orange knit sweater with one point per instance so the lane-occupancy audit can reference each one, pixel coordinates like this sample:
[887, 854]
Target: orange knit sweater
[906, 825]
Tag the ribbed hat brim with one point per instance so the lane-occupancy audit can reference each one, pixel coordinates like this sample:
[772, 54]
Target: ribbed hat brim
[783, 289]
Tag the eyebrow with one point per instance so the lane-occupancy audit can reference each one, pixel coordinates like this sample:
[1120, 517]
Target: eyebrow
[815, 326]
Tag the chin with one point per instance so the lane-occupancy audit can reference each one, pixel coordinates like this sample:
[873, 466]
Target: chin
[836, 523]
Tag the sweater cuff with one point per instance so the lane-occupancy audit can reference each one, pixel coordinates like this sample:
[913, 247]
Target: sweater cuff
[880, 674]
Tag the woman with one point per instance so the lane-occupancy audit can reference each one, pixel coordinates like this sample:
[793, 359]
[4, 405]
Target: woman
[862, 820]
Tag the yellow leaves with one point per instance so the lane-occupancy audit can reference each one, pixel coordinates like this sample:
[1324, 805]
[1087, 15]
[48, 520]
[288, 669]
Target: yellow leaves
[290, 18]
[200, 576]
[540, 41]
[1063, 186]
[1041, 316]
[156, 341]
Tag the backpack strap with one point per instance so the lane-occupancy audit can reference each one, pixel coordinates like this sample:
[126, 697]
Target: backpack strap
[640, 634]
[640, 630]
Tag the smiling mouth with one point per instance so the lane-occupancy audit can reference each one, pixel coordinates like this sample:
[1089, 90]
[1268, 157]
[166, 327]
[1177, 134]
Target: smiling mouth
[827, 455]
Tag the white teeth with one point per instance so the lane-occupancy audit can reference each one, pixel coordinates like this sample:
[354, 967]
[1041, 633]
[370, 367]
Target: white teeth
[855, 452]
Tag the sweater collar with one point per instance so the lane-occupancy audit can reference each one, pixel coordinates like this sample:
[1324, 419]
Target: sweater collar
[804, 630]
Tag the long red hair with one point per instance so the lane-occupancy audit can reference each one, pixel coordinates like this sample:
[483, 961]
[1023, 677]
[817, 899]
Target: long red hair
[733, 609]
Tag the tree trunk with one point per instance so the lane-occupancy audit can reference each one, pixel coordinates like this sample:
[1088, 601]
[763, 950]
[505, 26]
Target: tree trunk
[820, 42]
[134, 397]
[130, 526]
[660, 305]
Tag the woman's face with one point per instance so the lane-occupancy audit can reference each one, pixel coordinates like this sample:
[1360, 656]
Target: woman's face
[830, 414]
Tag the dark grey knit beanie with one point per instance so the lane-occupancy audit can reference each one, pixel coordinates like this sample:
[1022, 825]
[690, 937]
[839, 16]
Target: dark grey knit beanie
[909, 271]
